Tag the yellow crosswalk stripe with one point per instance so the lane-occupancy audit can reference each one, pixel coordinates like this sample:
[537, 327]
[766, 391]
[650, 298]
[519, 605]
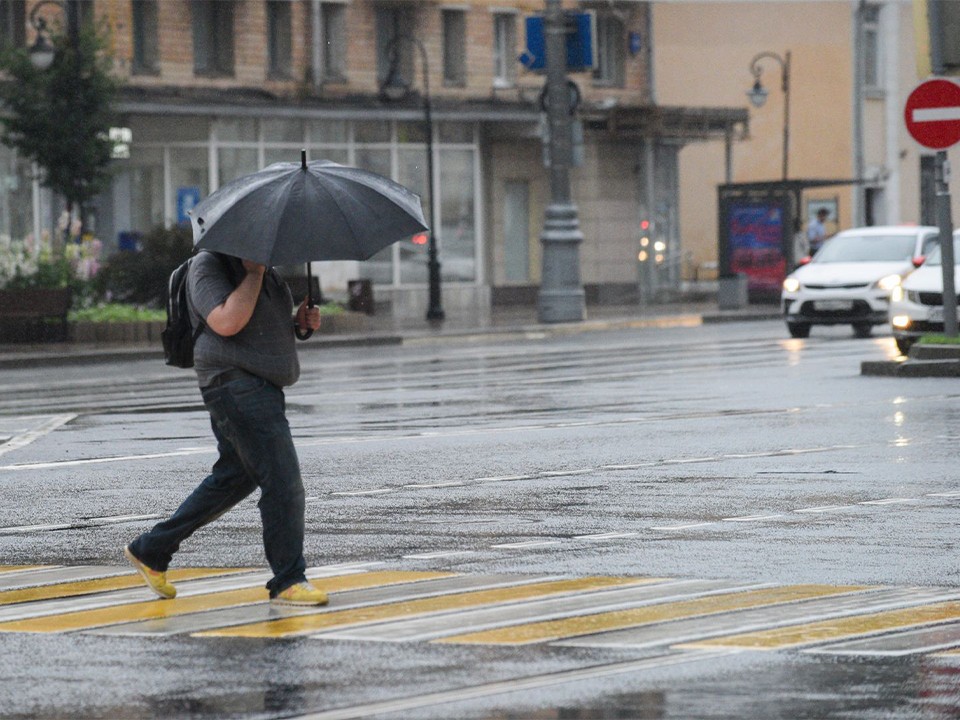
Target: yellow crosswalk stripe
[549, 630]
[118, 582]
[825, 630]
[304, 624]
[18, 568]
[158, 609]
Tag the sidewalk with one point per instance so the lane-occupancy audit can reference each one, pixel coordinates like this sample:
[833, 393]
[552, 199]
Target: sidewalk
[387, 330]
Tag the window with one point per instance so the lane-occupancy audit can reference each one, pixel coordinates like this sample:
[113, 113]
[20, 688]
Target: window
[334, 48]
[504, 49]
[279, 28]
[393, 22]
[146, 56]
[454, 47]
[872, 76]
[610, 51]
[12, 24]
[212, 37]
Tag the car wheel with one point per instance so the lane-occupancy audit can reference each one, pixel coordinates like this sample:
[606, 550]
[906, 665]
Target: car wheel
[799, 330]
[862, 330]
[904, 344]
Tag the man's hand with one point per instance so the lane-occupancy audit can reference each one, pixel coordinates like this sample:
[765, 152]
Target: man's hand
[308, 318]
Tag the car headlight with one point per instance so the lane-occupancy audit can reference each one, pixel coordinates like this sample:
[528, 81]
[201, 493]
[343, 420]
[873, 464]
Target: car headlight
[897, 294]
[888, 283]
[791, 284]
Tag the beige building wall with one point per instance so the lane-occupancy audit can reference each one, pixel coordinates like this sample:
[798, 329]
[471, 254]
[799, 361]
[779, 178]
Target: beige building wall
[702, 56]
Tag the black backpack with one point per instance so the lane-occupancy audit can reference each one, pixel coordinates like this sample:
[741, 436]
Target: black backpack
[179, 336]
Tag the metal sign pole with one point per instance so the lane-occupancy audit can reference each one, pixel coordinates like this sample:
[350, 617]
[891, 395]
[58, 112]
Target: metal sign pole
[945, 221]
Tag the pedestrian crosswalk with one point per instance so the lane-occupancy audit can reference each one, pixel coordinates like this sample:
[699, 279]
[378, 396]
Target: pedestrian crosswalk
[371, 602]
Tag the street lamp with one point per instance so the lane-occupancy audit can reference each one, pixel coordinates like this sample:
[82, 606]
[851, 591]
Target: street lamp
[394, 88]
[42, 51]
[758, 95]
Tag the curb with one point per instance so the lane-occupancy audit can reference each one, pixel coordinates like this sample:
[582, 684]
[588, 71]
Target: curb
[923, 361]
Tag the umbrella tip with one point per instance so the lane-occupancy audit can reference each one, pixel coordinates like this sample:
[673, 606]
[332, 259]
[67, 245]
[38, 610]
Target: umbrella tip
[303, 159]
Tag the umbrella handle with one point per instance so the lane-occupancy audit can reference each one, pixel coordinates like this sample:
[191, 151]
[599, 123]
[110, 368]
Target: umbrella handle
[305, 334]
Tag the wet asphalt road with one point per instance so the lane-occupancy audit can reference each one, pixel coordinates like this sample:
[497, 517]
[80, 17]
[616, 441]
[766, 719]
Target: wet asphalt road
[723, 453]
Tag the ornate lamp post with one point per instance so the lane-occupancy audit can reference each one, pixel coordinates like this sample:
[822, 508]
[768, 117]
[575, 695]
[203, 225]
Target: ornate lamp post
[561, 297]
[394, 88]
[758, 95]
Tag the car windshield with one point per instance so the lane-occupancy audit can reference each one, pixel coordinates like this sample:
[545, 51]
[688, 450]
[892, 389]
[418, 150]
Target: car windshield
[933, 257]
[867, 248]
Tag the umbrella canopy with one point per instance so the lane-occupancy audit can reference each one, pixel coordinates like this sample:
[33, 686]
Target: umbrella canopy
[291, 213]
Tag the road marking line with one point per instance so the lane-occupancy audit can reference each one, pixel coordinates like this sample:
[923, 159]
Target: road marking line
[888, 501]
[427, 486]
[955, 493]
[323, 620]
[18, 568]
[752, 518]
[429, 627]
[909, 642]
[824, 509]
[606, 536]
[672, 528]
[231, 617]
[89, 587]
[836, 629]
[509, 686]
[156, 609]
[353, 493]
[45, 428]
[439, 554]
[77, 524]
[527, 544]
[551, 630]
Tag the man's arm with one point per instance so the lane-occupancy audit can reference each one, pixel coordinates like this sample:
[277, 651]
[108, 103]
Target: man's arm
[235, 312]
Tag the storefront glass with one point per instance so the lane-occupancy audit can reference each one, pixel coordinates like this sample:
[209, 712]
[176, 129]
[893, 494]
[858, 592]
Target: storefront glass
[166, 172]
[457, 238]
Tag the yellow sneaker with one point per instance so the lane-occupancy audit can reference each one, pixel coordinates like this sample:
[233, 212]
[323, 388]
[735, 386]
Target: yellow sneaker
[301, 594]
[156, 581]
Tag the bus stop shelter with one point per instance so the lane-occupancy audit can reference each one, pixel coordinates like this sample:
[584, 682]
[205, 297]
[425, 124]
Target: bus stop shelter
[759, 224]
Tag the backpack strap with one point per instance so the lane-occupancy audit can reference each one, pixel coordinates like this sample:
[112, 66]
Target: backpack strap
[225, 263]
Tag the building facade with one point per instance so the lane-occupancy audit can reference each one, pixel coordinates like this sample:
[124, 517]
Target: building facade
[852, 65]
[215, 89]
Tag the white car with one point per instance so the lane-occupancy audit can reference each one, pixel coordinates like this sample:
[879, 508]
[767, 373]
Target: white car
[848, 282]
[916, 307]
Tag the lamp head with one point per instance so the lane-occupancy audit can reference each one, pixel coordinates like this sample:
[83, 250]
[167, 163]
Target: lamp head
[758, 94]
[41, 52]
[394, 88]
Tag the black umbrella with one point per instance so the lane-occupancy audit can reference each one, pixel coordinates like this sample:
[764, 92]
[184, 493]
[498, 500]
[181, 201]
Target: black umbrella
[291, 213]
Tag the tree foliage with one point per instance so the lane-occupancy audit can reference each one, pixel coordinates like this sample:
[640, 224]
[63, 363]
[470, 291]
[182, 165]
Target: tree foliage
[60, 117]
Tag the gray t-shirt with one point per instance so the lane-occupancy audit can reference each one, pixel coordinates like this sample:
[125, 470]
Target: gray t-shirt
[265, 347]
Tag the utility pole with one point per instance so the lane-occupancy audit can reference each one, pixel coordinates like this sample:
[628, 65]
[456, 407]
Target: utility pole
[561, 296]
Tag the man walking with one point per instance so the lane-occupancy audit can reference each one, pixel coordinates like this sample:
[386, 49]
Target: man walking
[243, 358]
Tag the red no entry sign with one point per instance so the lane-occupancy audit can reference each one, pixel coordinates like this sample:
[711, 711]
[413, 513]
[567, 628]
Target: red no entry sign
[932, 113]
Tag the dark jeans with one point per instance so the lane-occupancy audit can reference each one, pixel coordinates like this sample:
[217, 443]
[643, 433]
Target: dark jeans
[256, 450]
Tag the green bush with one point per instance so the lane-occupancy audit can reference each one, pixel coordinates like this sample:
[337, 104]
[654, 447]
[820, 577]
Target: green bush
[939, 340]
[116, 312]
[140, 278]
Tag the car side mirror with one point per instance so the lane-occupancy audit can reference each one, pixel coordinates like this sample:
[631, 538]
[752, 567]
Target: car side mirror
[805, 260]
[918, 261]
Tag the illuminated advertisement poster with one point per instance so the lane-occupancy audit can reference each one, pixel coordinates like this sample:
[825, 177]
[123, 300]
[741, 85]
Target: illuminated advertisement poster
[755, 244]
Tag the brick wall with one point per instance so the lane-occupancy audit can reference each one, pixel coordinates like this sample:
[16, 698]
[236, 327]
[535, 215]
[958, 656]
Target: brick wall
[250, 49]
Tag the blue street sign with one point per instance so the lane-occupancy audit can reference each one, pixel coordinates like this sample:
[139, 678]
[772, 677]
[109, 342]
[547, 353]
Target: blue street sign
[187, 197]
[581, 42]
